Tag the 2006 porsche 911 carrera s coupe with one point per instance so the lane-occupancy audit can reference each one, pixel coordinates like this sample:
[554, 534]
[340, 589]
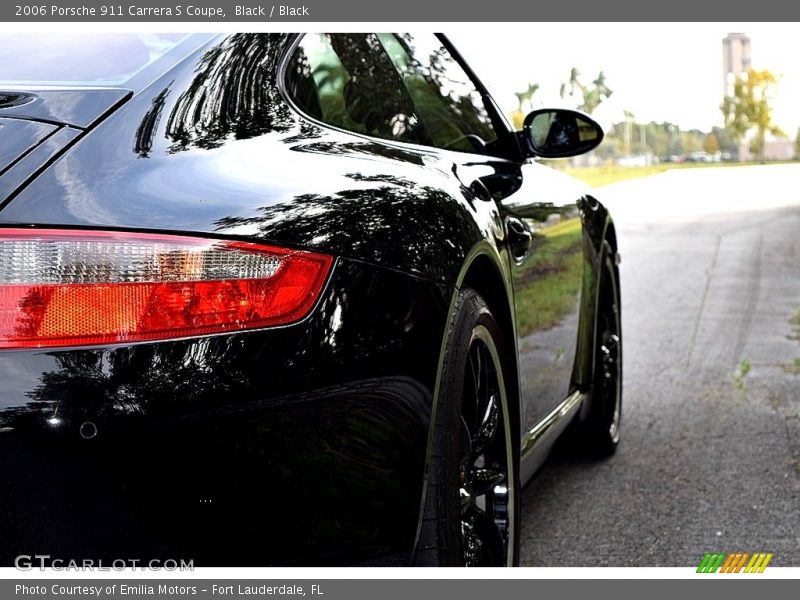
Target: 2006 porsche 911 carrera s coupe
[288, 299]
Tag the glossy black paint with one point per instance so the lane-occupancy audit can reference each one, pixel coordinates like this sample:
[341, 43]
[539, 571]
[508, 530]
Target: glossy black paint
[25, 166]
[303, 444]
[78, 107]
[244, 163]
[19, 136]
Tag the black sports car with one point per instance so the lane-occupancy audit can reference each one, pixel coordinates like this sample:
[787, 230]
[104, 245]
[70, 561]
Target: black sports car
[288, 299]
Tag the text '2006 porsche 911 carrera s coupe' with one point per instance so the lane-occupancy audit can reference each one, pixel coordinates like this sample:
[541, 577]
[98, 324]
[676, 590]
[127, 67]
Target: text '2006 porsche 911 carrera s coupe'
[288, 299]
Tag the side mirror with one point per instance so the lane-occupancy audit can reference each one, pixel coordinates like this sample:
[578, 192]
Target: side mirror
[558, 133]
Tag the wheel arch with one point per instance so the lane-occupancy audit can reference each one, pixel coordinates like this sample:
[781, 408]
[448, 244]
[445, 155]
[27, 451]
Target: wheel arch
[482, 271]
[485, 277]
[609, 235]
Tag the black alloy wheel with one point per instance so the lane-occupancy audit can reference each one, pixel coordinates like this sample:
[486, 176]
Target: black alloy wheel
[601, 429]
[471, 505]
[483, 462]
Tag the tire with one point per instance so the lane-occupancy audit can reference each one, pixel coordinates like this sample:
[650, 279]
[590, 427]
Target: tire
[471, 509]
[600, 431]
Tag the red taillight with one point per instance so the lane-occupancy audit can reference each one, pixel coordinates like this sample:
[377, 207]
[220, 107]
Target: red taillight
[75, 288]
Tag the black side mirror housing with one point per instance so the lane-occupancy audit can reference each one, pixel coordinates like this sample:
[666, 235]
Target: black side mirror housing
[559, 133]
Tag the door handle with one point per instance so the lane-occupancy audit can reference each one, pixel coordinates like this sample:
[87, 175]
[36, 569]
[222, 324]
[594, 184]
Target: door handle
[519, 238]
[473, 173]
[480, 191]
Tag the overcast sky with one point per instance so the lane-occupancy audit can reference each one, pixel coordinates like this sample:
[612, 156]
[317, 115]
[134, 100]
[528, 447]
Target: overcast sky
[658, 71]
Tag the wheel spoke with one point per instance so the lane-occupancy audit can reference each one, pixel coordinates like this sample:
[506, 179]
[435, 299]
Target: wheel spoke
[483, 471]
[465, 444]
[472, 544]
[483, 543]
[609, 362]
[483, 373]
[484, 434]
[482, 480]
[610, 343]
[475, 365]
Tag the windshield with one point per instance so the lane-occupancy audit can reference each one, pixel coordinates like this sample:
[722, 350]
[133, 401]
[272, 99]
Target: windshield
[80, 59]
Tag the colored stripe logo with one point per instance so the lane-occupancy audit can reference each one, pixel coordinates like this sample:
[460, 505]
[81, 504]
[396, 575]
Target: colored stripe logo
[738, 562]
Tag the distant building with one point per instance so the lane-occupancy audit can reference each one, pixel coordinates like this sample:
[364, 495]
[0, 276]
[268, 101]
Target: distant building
[773, 150]
[735, 59]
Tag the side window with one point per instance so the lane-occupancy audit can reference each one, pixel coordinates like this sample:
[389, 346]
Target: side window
[348, 81]
[447, 101]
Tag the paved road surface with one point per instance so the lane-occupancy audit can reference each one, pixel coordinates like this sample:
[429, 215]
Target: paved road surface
[710, 456]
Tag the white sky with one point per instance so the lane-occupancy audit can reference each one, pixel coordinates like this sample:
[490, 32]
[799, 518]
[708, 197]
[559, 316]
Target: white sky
[658, 71]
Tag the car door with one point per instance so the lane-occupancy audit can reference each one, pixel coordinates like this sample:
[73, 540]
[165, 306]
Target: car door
[442, 108]
[546, 241]
[538, 206]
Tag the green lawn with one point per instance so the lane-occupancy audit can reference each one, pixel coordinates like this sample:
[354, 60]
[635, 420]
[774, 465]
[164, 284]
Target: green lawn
[550, 280]
[603, 175]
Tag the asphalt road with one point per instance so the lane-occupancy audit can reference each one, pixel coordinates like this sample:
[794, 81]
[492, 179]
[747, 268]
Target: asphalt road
[710, 451]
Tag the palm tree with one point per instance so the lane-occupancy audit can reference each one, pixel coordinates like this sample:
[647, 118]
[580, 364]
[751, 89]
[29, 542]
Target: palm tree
[629, 118]
[592, 95]
[518, 116]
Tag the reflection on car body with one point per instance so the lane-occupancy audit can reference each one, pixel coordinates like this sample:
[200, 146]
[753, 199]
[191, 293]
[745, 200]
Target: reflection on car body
[314, 304]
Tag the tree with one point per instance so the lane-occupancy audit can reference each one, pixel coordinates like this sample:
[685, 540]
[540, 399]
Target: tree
[750, 108]
[727, 140]
[592, 95]
[692, 141]
[518, 116]
[629, 119]
[658, 139]
[711, 144]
